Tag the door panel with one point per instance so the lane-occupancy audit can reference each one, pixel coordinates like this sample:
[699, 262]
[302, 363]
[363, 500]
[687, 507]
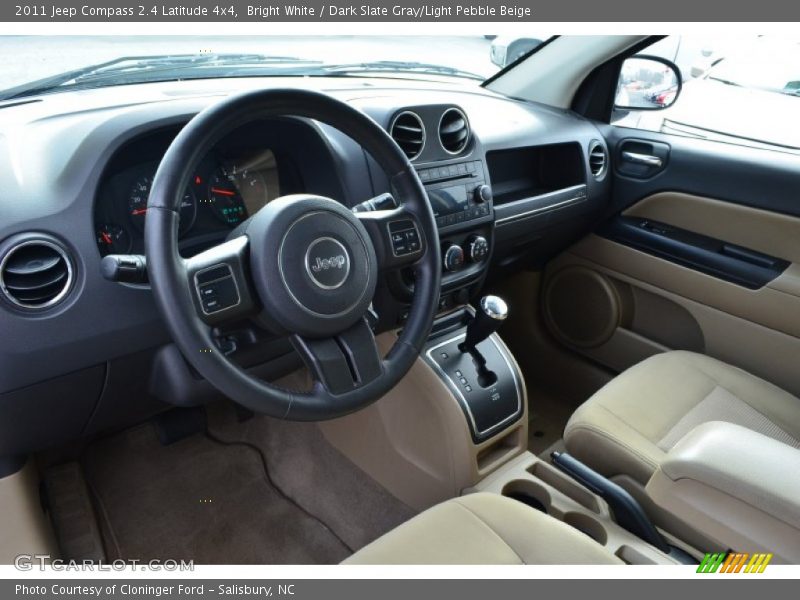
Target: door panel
[735, 174]
[712, 217]
[761, 230]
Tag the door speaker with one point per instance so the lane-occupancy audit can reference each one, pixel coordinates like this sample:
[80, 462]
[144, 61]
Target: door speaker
[581, 307]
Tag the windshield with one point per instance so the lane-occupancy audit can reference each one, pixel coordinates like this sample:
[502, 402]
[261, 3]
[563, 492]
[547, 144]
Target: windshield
[769, 66]
[48, 64]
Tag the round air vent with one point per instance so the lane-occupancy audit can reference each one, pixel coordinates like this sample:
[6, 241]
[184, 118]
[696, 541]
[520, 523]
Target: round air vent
[454, 131]
[598, 159]
[35, 273]
[409, 133]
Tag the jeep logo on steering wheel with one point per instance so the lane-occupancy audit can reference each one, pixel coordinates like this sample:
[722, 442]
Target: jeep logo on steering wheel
[334, 262]
[327, 263]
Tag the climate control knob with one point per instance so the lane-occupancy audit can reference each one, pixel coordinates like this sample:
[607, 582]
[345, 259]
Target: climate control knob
[483, 193]
[478, 248]
[453, 258]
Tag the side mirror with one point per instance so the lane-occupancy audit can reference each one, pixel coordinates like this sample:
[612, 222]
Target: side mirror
[647, 83]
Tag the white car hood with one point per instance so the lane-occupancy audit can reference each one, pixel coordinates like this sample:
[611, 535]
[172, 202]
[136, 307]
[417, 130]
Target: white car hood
[760, 116]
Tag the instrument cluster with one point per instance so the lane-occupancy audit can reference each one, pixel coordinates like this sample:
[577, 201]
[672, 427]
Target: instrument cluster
[223, 192]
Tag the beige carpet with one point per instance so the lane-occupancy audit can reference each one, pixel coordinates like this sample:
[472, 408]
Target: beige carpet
[321, 479]
[258, 492]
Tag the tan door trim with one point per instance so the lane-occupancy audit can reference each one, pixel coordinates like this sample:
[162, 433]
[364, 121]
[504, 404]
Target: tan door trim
[762, 230]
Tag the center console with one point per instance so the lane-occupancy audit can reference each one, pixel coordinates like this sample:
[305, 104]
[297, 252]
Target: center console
[543, 487]
[460, 195]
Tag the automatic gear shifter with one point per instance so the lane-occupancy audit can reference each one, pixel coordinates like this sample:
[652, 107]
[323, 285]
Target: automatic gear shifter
[479, 369]
[491, 313]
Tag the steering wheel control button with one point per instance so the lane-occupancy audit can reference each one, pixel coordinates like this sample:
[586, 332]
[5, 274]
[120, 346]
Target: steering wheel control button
[213, 273]
[327, 263]
[404, 237]
[216, 289]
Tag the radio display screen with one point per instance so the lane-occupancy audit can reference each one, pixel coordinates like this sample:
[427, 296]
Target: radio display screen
[450, 200]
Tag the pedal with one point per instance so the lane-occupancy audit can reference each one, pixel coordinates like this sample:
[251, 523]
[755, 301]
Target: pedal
[72, 513]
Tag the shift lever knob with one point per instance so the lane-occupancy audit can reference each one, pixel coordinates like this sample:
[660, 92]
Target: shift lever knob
[491, 313]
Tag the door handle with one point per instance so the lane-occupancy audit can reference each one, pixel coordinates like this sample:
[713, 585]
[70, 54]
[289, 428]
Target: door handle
[642, 159]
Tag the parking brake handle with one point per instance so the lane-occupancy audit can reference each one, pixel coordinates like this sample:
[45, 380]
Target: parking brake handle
[627, 512]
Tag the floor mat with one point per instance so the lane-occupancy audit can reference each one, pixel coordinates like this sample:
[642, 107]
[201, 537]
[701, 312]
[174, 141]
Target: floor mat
[321, 479]
[199, 500]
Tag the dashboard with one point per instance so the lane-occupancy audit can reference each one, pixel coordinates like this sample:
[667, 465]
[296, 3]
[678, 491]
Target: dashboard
[511, 184]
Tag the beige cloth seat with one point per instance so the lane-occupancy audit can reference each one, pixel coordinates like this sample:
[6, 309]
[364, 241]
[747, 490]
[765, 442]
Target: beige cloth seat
[627, 427]
[483, 529]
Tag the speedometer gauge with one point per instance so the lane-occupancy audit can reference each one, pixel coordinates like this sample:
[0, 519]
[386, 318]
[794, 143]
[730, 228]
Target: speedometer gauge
[227, 202]
[137, 204]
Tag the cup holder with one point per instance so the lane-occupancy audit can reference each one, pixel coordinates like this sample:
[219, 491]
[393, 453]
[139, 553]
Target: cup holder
[588, 526]
[528, 492]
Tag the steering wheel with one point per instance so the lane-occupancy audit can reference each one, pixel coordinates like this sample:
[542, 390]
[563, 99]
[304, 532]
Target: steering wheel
[304, 266]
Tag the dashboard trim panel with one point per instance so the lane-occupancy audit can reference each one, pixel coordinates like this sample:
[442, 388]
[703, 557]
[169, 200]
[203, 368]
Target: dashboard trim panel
[529, 213]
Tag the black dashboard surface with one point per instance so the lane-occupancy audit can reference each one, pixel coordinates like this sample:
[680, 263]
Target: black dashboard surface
[78, 166]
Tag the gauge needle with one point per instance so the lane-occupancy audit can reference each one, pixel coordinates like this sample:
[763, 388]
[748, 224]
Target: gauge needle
[138, 211]
[107, 238]
[222, 192]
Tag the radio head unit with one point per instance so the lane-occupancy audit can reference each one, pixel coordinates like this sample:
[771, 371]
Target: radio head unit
[457, 192]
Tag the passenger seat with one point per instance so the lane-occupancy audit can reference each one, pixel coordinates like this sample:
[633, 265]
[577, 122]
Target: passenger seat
[627, 427]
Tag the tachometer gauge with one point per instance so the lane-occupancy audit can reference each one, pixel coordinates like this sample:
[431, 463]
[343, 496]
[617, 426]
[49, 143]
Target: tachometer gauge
[137, 204]
[113, 239]
[227, 202]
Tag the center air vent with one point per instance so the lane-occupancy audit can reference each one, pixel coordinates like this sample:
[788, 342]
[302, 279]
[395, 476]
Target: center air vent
[454, 131]
[409, 133]
[598, 159]
[35, 273]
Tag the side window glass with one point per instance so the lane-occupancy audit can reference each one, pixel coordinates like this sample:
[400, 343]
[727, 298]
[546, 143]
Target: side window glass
[736, 90]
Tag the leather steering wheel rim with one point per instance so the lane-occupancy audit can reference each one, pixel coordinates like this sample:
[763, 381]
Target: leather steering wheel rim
[176, 293]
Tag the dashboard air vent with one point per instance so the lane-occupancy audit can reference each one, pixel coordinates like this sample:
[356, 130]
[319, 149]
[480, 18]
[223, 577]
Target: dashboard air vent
[454, 131]
[35, 273]
[598, 159]
[409, 133]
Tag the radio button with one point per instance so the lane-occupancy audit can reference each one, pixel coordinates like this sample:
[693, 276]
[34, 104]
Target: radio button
[483, 193]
